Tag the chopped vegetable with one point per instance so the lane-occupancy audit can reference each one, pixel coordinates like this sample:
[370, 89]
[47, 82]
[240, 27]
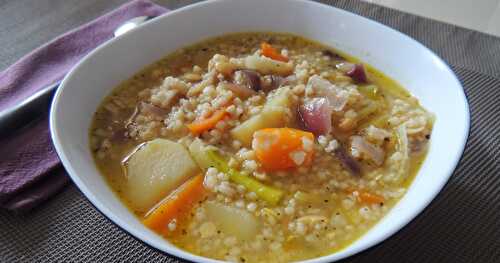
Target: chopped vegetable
[149, 109]
[198, 151]
[273, 115]
[248, 78]
[272, 82]
[336, 96]
[283, 148]
[266, 66]
[304, 197]
[371, 91]
[239, 90]
[270, 52]
[154, 169]
[373, 152]
[199, 126]
[347, 161]
[358, 73]
[233, 221]
[345, 66]
[176, 205]
[153, 110]
[367, 111]
[379, 121]
[402, 147]
[266, 193]
[316, 116]
[366, 197]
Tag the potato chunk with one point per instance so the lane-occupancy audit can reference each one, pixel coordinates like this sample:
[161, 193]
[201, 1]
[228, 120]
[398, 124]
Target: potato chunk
[154, 170]
[233, 221]
[275, 114]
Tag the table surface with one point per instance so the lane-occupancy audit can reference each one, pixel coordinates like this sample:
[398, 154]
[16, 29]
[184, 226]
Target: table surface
[457, 227]
[482, 15]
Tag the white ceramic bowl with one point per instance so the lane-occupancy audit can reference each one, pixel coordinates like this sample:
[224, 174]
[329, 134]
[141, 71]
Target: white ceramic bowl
[402, 58]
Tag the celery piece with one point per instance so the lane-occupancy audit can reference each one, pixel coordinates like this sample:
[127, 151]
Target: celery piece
[371, 91]
[267, 193]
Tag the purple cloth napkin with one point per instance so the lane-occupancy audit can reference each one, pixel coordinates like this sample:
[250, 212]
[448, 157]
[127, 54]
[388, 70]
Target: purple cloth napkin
[30, 171]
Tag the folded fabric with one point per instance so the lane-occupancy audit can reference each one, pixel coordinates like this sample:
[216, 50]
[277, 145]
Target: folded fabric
[30, 171]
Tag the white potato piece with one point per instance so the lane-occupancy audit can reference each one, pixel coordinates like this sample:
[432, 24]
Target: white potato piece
[233, 221]
[275, 114]
[154, 170]
[198, 151]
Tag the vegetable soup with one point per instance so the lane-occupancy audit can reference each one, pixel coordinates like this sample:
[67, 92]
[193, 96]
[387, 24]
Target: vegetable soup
[260, 147]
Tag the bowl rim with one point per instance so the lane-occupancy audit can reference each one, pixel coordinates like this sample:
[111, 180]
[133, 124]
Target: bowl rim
[181, 253]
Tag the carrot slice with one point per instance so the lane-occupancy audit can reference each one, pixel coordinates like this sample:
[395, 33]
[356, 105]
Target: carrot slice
[366, 197]
[283, 148]
[270, 52]
[176, 205]
[199, 126]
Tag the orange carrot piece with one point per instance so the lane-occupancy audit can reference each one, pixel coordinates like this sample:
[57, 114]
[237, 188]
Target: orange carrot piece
[283, 148]
[176, 205]
[199, 126]
[366, 197]
[270, 52]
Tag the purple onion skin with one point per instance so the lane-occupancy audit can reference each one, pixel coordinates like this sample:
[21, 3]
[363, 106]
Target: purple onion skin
[315, 116]
[249, 78]
[347, 161]
[358, 73]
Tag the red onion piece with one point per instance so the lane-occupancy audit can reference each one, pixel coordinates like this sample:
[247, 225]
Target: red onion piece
[249, 78]
[375, 153]
[316, 116]
[271, 82]
[358, 73]
[347, 161]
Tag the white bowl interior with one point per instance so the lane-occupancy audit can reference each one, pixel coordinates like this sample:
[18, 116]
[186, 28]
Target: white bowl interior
[400, 57]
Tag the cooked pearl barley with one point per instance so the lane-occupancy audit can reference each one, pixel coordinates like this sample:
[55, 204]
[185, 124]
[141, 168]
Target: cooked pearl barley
[172, 225]
[250, 165]
[252, 207]
[289, 210]
[316, 206]
[322, 140]
[226, 189]
[332, 146]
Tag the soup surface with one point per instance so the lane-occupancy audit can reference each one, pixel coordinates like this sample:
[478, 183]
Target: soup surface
[260, 147]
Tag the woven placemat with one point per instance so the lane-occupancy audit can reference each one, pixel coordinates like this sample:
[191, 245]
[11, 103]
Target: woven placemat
[461, 225]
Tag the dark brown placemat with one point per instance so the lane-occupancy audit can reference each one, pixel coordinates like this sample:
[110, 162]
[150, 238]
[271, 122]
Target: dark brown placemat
[461, 225]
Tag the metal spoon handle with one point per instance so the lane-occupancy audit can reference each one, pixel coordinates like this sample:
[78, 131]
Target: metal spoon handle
[30, 108]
